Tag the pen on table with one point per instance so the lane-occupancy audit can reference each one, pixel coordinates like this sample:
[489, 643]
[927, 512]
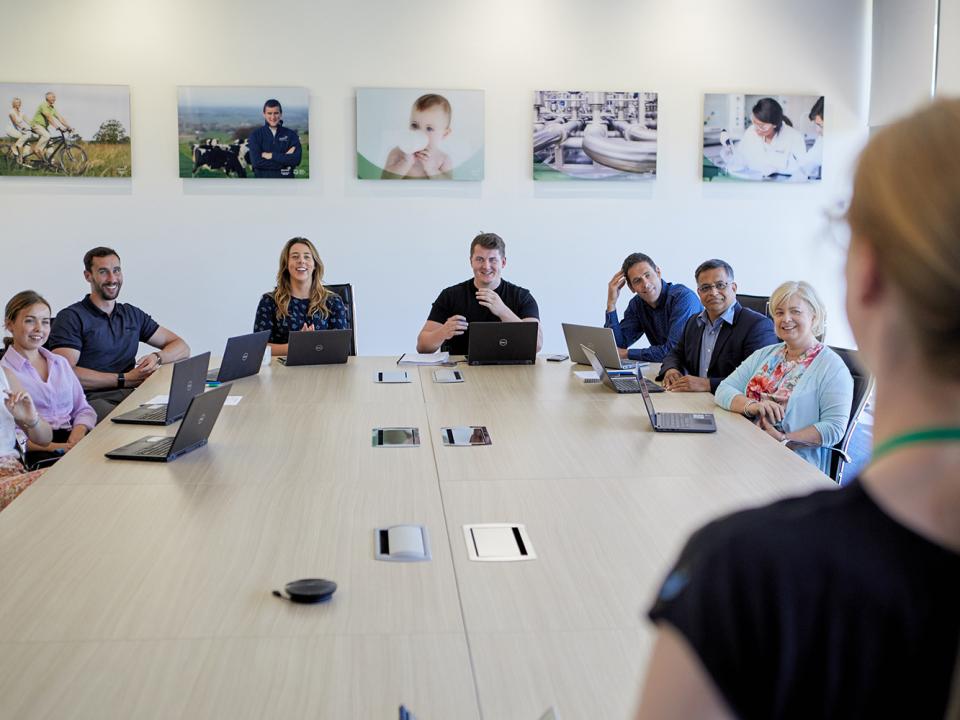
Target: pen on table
[398, 362]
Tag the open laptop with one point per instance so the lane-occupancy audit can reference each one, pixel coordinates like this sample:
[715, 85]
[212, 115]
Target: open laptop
[598, 339]
[502, 343]
[193, 431]
[241, 358]
[188, 379]
[318, 347]
[678, 422]
[621, 381]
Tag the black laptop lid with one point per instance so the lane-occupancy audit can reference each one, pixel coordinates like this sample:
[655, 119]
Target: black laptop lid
[649, 403]
[198, 422]
[316, 347]
[243, 356]
[502, 342]
[189, 379]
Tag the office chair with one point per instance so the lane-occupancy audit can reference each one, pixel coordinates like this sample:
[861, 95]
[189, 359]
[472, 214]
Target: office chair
[759, 303]
[345, 292]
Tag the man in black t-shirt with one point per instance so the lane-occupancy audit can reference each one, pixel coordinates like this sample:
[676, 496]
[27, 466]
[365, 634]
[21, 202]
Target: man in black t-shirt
[486, 297]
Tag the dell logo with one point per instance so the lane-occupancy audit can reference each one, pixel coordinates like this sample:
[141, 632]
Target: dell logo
[202, 418]
[503, 342]
[319, 348]
[189, 385]
[243, 358]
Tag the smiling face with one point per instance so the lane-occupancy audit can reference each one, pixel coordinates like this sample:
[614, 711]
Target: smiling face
[272, 116]
[487, 263]
[716, 300]
[433, 122]
[300, 264]
[645, 281]
[30, 327]
[793, 320]
[105, 277]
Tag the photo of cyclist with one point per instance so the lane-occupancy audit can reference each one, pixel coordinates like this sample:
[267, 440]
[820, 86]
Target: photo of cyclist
[46, 117]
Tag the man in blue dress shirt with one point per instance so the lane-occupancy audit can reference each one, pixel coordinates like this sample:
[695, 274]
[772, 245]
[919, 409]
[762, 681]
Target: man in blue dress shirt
[659, 310]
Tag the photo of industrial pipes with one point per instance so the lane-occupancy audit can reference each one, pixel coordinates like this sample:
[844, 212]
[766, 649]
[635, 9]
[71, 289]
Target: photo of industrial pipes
[585, 135]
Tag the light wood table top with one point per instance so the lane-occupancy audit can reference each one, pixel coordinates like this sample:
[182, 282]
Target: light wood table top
[143, 589]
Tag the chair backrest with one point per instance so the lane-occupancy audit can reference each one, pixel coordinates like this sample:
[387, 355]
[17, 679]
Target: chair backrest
[345, 292]
[863, 384]
[759, 303]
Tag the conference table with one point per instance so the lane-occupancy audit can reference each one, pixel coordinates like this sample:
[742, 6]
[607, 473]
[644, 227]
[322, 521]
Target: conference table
[144, 590]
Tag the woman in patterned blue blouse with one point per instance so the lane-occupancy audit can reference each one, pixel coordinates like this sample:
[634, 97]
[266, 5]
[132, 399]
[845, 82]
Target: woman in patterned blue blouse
[299, 301]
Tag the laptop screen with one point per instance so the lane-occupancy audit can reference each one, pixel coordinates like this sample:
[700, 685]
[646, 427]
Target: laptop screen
[596, 365]
[648, 402]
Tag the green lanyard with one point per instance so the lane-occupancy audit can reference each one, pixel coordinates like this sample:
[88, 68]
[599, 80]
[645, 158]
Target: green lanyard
[916, 437]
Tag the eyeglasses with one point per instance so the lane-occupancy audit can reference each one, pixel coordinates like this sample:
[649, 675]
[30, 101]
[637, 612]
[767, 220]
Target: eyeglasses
[704, 289]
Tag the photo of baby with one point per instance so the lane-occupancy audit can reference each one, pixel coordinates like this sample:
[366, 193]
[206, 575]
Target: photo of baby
[406, 134]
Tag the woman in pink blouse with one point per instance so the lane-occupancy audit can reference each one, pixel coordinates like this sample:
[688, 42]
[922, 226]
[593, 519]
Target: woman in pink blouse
[47, 377]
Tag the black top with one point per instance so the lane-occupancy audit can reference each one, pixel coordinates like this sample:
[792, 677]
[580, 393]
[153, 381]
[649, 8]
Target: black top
[266, 317]
[107, 343]
[461, 299]
[735, 343]
[819, 607]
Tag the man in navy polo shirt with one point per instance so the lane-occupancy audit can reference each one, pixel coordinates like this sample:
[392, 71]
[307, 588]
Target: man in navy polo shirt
[274, 150]
[100, 336]
[659, 310]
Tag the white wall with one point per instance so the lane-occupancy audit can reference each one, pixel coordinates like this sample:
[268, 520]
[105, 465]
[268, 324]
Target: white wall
[197, 254]
[948, 64]
[904, 50]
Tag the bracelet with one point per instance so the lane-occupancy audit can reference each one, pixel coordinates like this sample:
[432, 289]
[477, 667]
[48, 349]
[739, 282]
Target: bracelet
[31, 426]
[751, 402]
[159, 359]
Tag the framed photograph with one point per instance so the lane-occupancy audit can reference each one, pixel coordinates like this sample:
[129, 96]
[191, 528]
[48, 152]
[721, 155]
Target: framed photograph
[244, 132]
[763, 137]
[419, 134]
[55, 129]
[591, 135]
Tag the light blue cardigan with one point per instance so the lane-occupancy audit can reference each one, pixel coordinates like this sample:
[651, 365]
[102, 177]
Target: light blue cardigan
[822, 398]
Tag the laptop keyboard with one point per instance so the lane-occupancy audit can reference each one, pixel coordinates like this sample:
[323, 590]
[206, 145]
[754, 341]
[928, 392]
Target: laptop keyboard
[676, 421]
[158, 413]
[626, 385]
[157, 449]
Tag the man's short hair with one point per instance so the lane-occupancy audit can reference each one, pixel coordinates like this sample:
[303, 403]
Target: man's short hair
[637, 257]
[490, 241]
[97, 252]
[817, 109]
[272, 102]
[713, 264]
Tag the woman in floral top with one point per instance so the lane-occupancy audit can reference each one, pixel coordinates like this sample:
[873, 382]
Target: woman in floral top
[799, 390]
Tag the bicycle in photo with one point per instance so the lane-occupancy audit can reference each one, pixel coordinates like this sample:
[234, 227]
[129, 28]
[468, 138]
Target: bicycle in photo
[62, 154]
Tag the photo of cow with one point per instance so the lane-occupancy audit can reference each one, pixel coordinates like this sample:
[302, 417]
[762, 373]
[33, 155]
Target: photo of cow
[243, 132]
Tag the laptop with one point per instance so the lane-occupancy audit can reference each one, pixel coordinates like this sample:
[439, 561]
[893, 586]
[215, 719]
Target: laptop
[318, 347]
[598, 339]
[188, 379]
[502, 343]
[621, 381]
[241, 358]
[193, 431]
[678, 422]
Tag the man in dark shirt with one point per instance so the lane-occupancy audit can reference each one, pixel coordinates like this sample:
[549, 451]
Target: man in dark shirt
[100, 336]
[716, 341]
[275, 151]
[659, 310]
[486, 297]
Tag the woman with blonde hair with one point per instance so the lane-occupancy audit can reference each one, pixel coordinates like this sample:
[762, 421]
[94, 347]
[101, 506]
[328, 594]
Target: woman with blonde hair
[18, 128]
[844, 603]
[799, 391]
[299, 301]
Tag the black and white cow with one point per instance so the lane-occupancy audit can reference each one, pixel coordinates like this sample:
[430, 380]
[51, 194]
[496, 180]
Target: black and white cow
[232, 159]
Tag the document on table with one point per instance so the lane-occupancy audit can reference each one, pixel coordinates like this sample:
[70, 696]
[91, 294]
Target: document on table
[437, 358]
[588, 376]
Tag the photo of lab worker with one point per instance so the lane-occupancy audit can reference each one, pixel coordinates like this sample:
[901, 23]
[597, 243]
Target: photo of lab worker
[762, 137]
[418, 134]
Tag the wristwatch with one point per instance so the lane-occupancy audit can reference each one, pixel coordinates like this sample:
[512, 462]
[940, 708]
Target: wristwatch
[121, 380]
[784, 439]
